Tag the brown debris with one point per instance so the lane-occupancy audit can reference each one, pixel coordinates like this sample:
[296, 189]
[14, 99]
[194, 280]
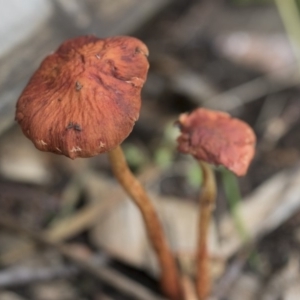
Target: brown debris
[217, 138]
[90, 81]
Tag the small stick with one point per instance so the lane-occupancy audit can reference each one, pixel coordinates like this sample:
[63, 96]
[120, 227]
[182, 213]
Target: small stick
[16, 276]
[188, 288]
[170, 279]
[207, 205]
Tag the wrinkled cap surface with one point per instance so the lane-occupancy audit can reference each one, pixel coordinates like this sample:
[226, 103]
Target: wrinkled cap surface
[217, 138]
[85, 98]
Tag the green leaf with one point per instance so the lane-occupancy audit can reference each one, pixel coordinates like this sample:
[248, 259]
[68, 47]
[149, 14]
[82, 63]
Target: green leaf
[232, 192]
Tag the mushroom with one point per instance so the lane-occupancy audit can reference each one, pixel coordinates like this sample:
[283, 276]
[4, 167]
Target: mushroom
[213, 137]
[84, 100]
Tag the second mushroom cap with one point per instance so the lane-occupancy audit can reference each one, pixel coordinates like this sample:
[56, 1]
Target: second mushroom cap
[217, 138]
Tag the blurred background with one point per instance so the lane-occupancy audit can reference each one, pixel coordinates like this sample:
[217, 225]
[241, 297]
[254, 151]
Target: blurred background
[238, 56]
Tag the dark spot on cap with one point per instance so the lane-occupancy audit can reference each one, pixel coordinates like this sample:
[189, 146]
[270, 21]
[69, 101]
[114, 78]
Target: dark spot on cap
[77, 127]
[74, 126]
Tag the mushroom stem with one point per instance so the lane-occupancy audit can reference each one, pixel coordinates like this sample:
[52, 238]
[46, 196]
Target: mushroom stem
[170, 280]
[207, 205]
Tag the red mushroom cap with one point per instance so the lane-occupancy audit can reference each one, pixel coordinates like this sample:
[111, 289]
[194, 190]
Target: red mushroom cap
[217, 138]
[85, 98]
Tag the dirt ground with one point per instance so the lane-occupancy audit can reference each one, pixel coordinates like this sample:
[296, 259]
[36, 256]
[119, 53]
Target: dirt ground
[233, 56]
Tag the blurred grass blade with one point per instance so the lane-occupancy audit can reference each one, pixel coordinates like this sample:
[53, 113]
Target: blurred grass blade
[233, 195]
[288, 10]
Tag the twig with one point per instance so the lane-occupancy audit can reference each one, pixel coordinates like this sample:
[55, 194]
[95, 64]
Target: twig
[15, 276]
[188, 287]
[204, 93]
[103, 273]
[15, 254]
[254, 89]
[87, 216]
[232, 273]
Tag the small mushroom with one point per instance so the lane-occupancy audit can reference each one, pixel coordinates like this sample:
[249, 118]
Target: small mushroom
[213, 137]
[84, 100]
[217, 138]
